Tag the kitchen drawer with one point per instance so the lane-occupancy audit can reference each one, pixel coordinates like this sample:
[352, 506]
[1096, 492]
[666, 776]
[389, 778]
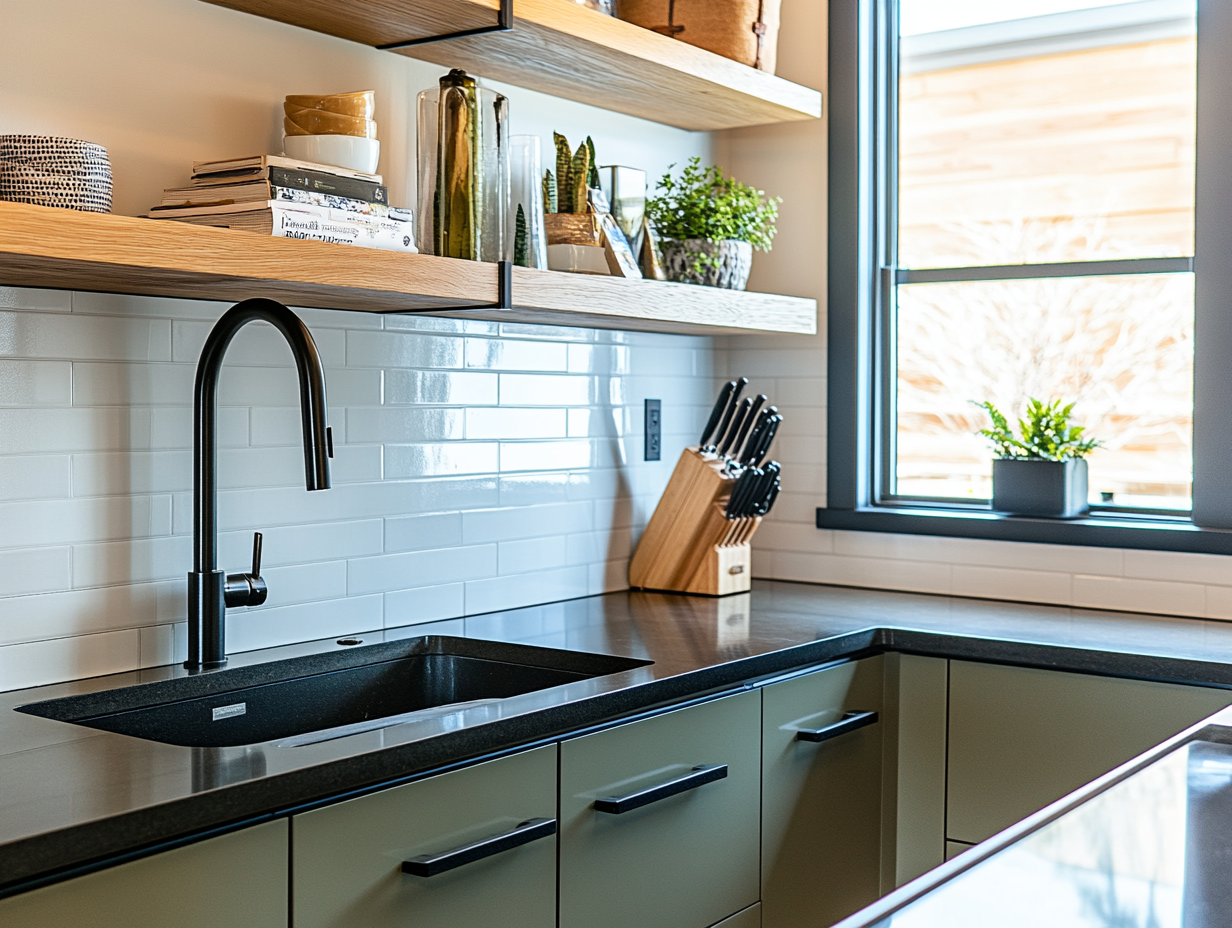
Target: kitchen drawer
[821, 800]
[347, 859]
[1021, 738]
[685, 861]
[239, 880]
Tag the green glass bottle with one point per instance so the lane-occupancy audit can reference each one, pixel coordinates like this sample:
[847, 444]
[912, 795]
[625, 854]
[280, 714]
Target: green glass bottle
[459, 174]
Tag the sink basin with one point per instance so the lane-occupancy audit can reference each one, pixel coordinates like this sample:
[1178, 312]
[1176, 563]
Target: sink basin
[336, 690]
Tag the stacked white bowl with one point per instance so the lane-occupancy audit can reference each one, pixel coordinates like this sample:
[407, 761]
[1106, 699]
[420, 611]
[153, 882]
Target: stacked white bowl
[49, 171]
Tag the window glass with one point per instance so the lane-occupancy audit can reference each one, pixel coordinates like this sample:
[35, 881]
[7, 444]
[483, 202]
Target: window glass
[1047, 138]
[1036, 132]
[1121, 347]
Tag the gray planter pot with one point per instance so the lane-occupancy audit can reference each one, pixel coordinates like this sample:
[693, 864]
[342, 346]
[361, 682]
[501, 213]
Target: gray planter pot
[1055, 489]
[729, 269]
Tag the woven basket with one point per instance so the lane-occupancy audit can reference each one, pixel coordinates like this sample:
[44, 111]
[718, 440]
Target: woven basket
[743, 30]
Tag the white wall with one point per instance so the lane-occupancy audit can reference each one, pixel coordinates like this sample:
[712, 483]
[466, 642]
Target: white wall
[480, 466]
[790, 161]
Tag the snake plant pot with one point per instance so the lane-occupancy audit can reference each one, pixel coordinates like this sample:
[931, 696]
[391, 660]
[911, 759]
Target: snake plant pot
[723, 264]
[1055, 489]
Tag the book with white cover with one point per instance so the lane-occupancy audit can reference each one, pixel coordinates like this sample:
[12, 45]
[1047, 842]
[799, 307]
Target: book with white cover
[285, 220]
[324, 204]
[257, 165]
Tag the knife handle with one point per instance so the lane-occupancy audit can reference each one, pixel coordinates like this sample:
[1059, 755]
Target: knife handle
[730, 411]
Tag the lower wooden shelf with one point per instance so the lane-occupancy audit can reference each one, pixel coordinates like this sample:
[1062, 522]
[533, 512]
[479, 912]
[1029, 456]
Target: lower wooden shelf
[68, 250]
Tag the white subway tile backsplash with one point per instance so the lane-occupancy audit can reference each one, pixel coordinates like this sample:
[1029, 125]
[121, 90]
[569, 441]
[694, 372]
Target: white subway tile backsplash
[1032, 586]
[526, 589]
[545, 390]
[419, 533]
[1132, 595]
[35, 476]
[547, 455]
[411, 388]
[257, 344]
[51, 661]
[437, 460]
[400, 349]
[403, 424]
[137, 560]
[533, 489]
[69, 521]
[299, 544]
[496, 422]
[424, 604]
[34, 570]
[35, 383]
[420, 568]
[251, 629]
[531, 522]
[47, 301]
[530, 554]
[516, 355]
[1173, 565]
[43, 335]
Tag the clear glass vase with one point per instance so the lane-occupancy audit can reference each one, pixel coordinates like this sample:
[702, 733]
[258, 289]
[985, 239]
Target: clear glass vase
[463, 171]
[529, 238]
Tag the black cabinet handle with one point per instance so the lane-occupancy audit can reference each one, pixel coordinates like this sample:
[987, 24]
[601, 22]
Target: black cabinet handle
[698, 776]
[849, 722]
[432, 864]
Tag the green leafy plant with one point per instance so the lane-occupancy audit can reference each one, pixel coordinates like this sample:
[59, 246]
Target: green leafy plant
[1046, 433]
[704, 204]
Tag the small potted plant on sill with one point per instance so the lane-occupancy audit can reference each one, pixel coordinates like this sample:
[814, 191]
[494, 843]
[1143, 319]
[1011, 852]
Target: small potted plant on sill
[1044, 472]
[710, 225]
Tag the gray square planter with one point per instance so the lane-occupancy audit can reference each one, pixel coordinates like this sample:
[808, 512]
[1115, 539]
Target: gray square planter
[1055, 489]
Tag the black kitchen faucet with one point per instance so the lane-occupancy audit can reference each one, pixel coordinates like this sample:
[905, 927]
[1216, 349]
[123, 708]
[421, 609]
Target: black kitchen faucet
[210, 590]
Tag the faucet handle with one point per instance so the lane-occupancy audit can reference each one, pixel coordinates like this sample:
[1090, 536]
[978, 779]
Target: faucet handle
[247, 589]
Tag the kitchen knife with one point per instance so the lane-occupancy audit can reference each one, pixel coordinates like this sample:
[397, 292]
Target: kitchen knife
[773, 495]
[746, 425]
[767, 439]
[740, 492]
[746, 405]
[759, 492]
[755, 434]
[730, 411]
[717, 413]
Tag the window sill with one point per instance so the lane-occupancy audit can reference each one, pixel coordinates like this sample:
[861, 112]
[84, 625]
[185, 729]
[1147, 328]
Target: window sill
[1157, 533]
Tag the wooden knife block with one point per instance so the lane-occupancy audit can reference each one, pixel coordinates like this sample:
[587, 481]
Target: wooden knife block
[689, 547]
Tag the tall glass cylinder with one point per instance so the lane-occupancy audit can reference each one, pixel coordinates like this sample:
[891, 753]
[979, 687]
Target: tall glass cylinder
[525, 227]
[463, 162]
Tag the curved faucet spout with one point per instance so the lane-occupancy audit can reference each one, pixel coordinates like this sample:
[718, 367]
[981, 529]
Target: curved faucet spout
[210, 591]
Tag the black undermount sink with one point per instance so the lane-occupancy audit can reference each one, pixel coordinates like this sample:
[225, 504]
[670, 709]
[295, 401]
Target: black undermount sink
[360, 688]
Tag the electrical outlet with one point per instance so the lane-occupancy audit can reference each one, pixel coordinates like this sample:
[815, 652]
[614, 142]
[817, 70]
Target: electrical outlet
[654, 430]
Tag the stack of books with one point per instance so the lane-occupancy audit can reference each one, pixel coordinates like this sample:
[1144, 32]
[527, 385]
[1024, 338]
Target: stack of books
[287, 198]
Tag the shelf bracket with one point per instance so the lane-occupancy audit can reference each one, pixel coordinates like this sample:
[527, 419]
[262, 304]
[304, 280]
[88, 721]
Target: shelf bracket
[504, 23]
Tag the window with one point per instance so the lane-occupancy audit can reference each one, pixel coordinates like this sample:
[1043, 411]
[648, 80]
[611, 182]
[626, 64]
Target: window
[1012, 214]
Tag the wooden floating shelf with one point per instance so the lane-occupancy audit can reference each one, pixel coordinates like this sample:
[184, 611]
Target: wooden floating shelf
[68, 250]
[562, 48]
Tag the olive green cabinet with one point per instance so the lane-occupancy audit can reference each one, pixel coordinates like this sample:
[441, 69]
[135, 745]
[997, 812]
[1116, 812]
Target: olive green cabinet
[749, 918]
[1020, 738]
[660, 819]
[481, 843]
[821, 795]
[238, 880]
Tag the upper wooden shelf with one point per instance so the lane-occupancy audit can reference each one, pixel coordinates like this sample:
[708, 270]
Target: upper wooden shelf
[67, 250]
[562, 48]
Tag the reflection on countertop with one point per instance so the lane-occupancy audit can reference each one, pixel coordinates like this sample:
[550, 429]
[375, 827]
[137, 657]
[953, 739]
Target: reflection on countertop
[1151, 850]
[73, 794]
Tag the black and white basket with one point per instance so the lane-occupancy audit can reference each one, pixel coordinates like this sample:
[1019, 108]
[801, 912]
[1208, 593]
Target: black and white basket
[49, 171]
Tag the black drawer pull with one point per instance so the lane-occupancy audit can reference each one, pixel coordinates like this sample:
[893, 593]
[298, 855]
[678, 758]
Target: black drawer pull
[849, 722]
[432, 864]
[698, 776]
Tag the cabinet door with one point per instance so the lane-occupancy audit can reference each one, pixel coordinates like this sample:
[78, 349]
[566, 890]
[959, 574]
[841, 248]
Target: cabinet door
[686, 860]
[1021, 738]
[821, 801]
[347, 859]
[238, 879]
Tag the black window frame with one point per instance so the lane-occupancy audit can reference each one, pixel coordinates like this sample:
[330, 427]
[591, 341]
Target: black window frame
[863, 55]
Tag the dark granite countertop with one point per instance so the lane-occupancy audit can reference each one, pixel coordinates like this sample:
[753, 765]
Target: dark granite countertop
[73, 796]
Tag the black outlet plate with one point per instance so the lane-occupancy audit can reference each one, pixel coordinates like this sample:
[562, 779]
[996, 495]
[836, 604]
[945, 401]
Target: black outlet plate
[654, 430]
